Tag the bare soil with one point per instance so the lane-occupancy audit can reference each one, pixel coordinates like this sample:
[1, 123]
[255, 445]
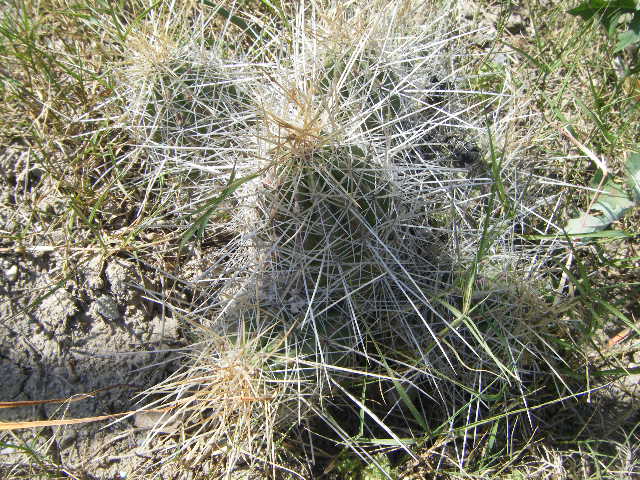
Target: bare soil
[72, 322]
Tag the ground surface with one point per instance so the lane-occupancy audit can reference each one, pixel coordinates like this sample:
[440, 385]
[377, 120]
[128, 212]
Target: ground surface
[70, 324]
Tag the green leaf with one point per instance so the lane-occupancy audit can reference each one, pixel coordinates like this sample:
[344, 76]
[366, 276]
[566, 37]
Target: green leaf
[205, 213]
[417, 415]
[613, 202]
[615, 371]
[633, 175]
[590, 8]
[631, 36]
[606, 11]
[598, 179]
[606, 234]
[586, 223]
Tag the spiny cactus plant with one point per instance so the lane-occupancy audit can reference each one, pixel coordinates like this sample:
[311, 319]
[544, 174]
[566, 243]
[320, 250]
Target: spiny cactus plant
[356, 76]
[353, 228]
[188, 110]
[191, 103]
[330, 201]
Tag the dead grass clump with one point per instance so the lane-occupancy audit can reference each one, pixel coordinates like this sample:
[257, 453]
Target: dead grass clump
[231, 406]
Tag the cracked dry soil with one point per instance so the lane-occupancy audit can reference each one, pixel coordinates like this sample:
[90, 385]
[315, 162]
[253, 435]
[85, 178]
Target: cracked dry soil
[71, 322]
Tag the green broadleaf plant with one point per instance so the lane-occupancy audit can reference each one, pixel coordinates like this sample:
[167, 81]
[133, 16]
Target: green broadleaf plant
[633, 176]
[611, 204]
[608, 13]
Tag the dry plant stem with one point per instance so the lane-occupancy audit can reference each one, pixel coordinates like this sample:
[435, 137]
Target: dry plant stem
[599, 163]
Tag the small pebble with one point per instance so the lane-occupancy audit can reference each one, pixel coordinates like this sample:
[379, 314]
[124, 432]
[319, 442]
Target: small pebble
[107, 307]
[157, 421]
[11, 273]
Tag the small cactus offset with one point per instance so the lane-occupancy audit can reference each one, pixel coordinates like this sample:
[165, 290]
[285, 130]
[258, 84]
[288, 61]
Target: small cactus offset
[332, 201]
[191, 102]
